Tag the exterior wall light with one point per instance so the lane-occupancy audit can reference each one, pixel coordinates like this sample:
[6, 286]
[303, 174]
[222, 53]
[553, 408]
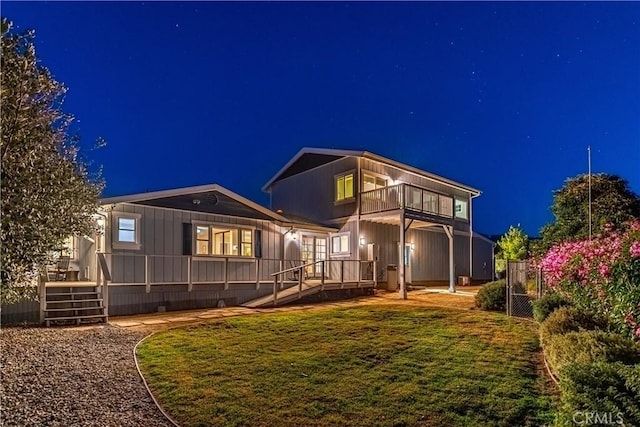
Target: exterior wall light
[413, 246]
[362, 241]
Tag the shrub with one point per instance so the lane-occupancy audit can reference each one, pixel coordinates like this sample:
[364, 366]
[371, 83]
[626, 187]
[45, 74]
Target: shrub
[492, 296]
[586, 347]
[550, 302]
[610, 390]
[568, 319]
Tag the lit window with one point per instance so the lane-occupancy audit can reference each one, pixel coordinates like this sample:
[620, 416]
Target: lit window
[126, 230]
[216, 240]
[461, 209]
[344, 187]
[370, 182]
[340, 244]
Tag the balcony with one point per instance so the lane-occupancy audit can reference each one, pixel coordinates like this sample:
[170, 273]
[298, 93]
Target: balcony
[408, 197]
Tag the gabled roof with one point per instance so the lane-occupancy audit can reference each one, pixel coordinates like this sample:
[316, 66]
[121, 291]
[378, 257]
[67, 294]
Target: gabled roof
[211, 198]
[309, 158]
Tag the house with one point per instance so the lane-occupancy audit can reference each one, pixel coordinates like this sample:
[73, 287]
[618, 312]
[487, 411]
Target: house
[333, 227]
[384, 211]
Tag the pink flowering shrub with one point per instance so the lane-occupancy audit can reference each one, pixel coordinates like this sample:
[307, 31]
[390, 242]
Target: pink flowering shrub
[601, 275]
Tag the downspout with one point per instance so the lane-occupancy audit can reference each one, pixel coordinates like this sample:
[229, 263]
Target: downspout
[471, 236]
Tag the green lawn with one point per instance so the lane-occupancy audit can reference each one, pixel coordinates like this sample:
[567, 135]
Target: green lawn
[368, 365]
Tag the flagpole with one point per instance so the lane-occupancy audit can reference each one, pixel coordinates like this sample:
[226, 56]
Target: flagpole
[589, 159]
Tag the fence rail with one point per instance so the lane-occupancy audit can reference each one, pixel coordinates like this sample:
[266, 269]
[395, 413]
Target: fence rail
[406, 196]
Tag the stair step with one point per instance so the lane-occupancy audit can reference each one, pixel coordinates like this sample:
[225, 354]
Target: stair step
[74, 301]
[54, 294]
[48, 320]
[74, 309]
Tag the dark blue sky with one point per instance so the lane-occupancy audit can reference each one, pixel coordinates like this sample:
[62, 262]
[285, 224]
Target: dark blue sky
[504, 97]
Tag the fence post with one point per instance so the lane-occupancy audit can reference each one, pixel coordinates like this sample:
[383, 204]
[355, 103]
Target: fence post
[275, 290]
[359, 272]
[341, 274]
[282, 278]
[147, 279]
[42, 294]
[322, 276]
[300, 273]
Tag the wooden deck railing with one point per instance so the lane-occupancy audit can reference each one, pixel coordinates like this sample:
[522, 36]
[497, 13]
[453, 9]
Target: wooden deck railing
[406, 196]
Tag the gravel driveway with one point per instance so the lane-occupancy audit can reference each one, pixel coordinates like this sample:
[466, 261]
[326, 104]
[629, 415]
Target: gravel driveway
[73, 377]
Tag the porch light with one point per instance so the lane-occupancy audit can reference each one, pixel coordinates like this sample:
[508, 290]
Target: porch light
[362, 241]
[293, 234]
[413, 246]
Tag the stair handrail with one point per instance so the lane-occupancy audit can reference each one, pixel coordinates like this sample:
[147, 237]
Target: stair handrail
[300, 269]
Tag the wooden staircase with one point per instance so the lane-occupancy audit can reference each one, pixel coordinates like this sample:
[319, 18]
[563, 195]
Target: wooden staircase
[71, 304]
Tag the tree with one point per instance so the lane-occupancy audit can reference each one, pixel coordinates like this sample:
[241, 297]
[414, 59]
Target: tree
[612, 204]
[512, 246]
[48, 193]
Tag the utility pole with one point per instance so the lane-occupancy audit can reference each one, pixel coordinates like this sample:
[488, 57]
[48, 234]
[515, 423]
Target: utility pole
[589, 159]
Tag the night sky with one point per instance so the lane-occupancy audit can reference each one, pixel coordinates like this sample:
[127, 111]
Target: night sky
[504, 97]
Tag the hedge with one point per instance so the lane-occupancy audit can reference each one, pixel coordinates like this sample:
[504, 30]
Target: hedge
[608, 391]
[569, 319]
[546, 305]
[586, 347]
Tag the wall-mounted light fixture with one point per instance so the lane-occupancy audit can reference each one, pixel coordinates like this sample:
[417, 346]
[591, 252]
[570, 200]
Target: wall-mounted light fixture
[413, 246]
[362, 241]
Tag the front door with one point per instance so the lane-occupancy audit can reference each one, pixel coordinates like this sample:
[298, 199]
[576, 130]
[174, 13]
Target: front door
[314, 249]
[407, 262]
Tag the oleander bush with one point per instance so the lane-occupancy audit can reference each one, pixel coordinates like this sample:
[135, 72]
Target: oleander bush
[492, 296]
[585, 347]
[549, 302]
[608, 391]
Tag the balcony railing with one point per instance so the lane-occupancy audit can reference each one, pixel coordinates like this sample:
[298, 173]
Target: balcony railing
[406, 196]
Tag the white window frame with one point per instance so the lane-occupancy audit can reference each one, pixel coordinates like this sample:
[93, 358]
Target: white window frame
[344, 251]
[364, 172]
[345, 199]
[210, 254]
[116, 243]
[464, 217]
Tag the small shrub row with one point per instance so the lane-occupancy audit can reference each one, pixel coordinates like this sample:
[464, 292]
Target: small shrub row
[569, 319]
[585, 347]
[608, 391]
[546, 305]
[492, 296]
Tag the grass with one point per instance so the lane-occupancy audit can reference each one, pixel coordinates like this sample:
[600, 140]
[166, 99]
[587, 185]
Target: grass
[387, 365]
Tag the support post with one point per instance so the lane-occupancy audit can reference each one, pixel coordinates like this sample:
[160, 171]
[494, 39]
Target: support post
[105, 298]
[341, 274]
[359, 272]
[42, 296]
[281, 268]
[147, 279]
[375, 274]
[189, 276]
[275, 290]
[452, 280]
[401, 266]
[257, 273]
[226, 274]
[322, 276]
[300, 273]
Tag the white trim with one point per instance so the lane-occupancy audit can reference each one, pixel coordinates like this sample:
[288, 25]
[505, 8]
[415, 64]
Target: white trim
[194, 239]
[115, 242]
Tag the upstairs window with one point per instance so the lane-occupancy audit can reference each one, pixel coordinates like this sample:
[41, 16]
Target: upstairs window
[371, 182]
[344, 187]
[461, 209]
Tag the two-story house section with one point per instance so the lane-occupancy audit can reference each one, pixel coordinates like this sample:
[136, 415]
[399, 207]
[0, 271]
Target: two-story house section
[417, 225]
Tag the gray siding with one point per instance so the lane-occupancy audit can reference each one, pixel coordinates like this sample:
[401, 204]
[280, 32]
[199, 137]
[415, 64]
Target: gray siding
[482, 259]
[311, 194]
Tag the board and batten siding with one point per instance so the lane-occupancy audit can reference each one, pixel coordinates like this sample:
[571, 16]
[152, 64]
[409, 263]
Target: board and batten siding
[161, 249]
[429, 258]
[311, 194]
[482, 258]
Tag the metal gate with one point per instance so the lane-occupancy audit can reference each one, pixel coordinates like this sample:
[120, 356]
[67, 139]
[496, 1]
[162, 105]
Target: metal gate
[523, 286]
